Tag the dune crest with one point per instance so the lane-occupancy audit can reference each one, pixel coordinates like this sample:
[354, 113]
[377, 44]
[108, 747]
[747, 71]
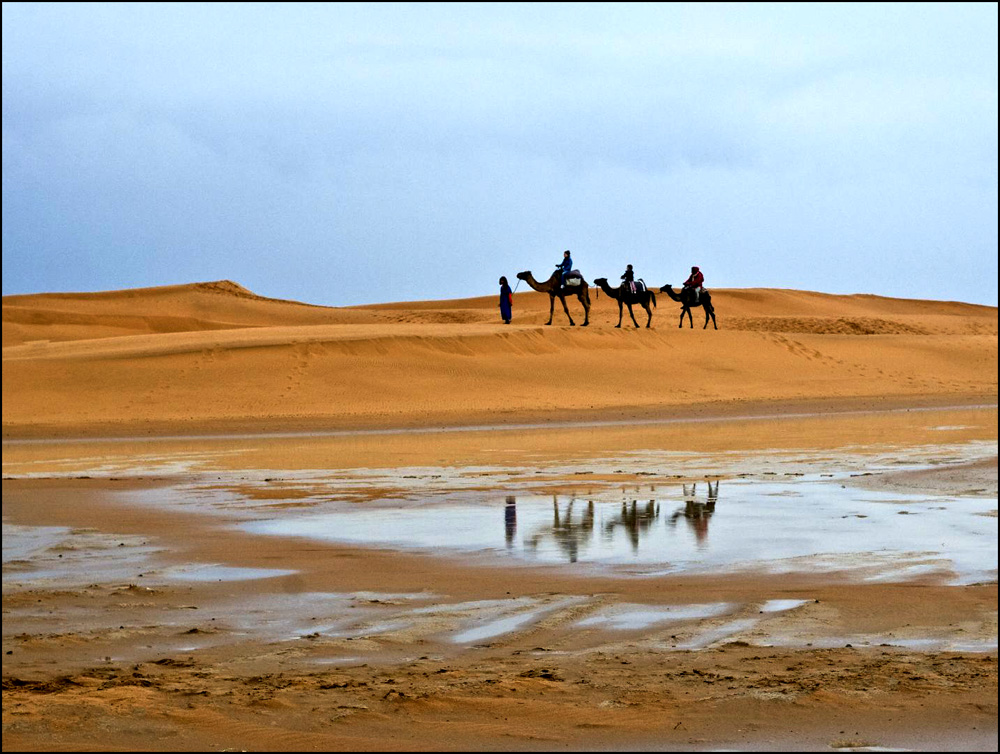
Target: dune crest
[226, 286]
[204, 356]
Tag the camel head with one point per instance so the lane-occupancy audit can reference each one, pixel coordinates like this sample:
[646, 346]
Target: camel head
[666, 288]
[524, 275]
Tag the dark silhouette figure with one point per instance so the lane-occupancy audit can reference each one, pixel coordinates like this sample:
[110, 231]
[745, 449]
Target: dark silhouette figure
[510, 521]
[697, 512]
[567, 533]
[624, 296]
[506, 301]
[688, 299]
[634, 520]
[555, 290]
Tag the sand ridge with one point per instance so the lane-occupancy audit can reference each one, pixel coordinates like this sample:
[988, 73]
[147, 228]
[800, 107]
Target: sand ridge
[125, 411]
[211, 354]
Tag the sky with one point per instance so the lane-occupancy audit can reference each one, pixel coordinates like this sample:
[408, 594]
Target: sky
[342, 154]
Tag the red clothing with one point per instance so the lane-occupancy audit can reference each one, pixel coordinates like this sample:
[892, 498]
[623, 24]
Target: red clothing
[697, 280]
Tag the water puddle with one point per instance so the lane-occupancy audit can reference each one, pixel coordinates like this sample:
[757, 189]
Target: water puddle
[781, 606]
[809, 523]
[215, 572]
[65, 557]
[498, 627]
[21, 543]
[716, 634]
[635, 617]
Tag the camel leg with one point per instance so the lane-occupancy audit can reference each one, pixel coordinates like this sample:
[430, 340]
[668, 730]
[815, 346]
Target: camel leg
[649, 319]
[566, 309]
[552, 308]
[621, 313]
[681, 322]
[632, 315]
[586, 309]
[690, 318]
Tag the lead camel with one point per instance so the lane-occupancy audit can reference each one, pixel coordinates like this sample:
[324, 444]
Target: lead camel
[552, 287]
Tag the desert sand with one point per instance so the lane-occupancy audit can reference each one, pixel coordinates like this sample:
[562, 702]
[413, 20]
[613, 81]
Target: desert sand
[148, 432]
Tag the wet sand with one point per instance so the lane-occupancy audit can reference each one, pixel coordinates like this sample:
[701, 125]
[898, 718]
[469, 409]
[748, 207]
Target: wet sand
[378, 648]
[146, 434]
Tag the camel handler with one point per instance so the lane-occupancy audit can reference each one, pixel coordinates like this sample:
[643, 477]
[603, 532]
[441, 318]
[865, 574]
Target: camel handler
[506, 301]
[695, 282]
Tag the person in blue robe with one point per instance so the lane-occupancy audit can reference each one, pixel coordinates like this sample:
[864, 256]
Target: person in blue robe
[506, 301]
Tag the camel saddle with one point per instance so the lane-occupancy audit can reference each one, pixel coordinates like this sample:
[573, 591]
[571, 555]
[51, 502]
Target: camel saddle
[573, 279]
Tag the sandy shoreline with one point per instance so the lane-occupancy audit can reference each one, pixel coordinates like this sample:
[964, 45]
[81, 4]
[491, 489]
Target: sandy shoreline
[147, 433]
[568, 419]
[582, 689]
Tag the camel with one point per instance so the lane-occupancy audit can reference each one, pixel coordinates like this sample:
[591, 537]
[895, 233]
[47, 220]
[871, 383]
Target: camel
[623, 295]
[552, 287]
[568, 534]
[697, 512]
[635, 521]
[686, 299]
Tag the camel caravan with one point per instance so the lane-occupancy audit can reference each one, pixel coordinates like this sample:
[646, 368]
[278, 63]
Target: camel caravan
[567, 282]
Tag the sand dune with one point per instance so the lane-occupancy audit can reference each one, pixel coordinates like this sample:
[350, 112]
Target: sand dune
[207, 664]
[211, 356]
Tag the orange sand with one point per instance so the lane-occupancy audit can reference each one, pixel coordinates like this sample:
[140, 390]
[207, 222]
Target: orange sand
[173, 368]
[209, 357]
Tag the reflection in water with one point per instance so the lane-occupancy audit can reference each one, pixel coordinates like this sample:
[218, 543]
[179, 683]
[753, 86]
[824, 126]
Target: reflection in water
[697, 512]
[567, 533]
[510, 521]
[634, 520]
[842, 528]
[572, 531]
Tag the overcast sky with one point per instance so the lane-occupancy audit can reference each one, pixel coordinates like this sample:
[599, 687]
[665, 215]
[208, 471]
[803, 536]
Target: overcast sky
[350, 153]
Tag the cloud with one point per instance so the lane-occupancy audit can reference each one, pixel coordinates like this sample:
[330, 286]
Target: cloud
[301, 149]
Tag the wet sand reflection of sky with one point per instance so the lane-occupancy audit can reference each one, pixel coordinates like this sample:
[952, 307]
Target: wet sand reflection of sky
[807, 524]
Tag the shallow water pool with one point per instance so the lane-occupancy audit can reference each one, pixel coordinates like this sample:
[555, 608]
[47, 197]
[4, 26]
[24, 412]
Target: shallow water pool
[808, 524]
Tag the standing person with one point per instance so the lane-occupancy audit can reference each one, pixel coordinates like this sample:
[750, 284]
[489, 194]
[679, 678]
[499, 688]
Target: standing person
[506, 301]
[695, 282]
[564, 267]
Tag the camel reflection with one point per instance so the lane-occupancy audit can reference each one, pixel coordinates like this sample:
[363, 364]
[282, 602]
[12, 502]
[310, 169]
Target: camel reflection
[634, 519]
[696, 511]
[568, 533]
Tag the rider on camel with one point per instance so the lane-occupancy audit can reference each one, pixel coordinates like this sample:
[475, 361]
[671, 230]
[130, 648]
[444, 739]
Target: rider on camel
[564, 267]
[695, 283]
[629, 279]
